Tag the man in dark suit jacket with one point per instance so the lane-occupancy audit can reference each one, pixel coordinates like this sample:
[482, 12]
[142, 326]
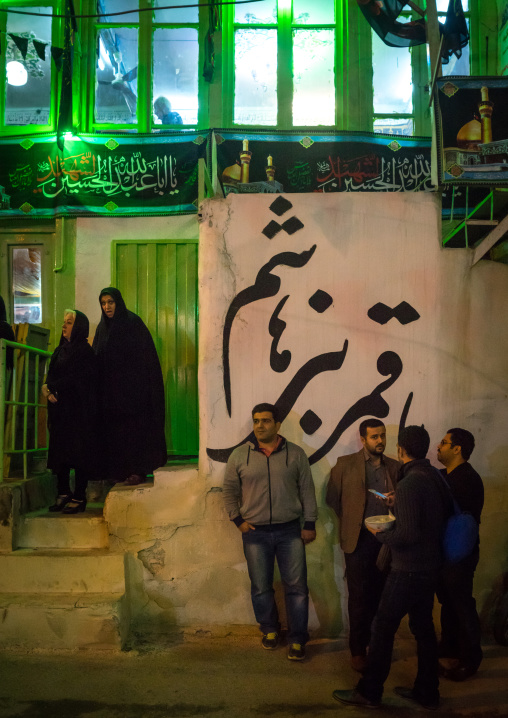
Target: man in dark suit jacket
[349, 496]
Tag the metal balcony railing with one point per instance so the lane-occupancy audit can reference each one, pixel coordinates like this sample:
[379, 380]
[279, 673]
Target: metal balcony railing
[23, 424]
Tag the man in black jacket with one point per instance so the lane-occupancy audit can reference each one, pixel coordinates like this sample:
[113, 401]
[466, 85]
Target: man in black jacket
[460, 624]
[420, 511]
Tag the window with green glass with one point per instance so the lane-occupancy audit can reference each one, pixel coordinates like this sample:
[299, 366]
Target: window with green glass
[147, 65]
[284, 63]
[401, 80]
[26, 63]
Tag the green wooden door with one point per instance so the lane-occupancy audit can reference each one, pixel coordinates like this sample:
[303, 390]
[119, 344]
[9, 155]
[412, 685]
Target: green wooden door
[159, 280]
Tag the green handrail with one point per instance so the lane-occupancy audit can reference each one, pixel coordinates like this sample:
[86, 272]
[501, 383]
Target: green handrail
[8, 398]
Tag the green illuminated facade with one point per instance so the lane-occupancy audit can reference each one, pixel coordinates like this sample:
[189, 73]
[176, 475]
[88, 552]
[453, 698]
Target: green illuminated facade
[286, 65]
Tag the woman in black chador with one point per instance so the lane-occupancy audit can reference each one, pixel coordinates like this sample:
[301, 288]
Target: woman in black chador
[131, 394]
[72, 412]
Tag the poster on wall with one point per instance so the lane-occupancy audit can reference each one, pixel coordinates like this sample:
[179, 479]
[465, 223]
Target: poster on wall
[472, 130]
[100, 175]
[503, 42]
[263, 162]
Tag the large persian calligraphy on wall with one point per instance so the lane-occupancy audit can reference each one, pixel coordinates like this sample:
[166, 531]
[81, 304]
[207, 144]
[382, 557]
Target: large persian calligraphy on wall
[338, 307]
[100, 175]
[263, 162]
[472, 130]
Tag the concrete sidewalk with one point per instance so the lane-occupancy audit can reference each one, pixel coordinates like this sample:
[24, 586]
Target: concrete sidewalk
[228, 677]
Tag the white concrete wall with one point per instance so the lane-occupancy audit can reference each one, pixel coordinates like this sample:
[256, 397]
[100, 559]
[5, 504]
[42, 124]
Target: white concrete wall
[93, 251]
[186, 566]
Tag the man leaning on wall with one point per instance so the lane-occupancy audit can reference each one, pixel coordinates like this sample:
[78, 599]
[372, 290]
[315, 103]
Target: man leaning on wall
[460, 624]
[350, 497]
[268, 490]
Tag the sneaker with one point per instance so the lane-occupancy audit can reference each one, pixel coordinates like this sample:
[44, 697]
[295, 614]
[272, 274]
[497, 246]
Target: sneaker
[296, 652]
[270, 641]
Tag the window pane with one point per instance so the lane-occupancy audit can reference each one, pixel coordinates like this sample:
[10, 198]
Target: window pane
[256, 77]
[262, 13]
[106, 7]
[28, 81]
[442, 5]
[26, 285]
[394, 125]
[184, 14]
[175, 75]
[116, 68]
[314, 87]
[318, 12]
[393, 86]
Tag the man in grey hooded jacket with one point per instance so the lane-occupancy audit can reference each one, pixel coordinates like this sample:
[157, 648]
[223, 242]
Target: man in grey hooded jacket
[268, 489]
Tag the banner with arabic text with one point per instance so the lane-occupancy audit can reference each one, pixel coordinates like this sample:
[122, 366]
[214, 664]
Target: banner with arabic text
[262, 162]
[100, 175]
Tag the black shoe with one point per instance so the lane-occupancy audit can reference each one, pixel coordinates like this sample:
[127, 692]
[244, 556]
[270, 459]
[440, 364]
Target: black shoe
[460, 673]
[61, 501]
[409, 695]
[74, 507]
[270, 641]
[353, 698]
[296, 652]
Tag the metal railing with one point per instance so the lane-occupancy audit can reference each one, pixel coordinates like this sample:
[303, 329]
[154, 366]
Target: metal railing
[21, 406]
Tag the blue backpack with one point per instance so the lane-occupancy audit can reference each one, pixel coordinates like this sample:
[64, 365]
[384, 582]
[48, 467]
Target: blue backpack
[460, 534]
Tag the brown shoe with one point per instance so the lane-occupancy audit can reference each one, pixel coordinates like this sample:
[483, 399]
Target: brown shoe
[133, 480]
[359, 663]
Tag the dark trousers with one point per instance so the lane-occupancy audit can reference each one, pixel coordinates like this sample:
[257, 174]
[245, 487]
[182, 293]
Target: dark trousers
[404, 593]
[284, 543]
[460, 624]
[365, 583]
[80, 483]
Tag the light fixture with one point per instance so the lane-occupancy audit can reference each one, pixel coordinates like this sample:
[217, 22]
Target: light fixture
[16, 73]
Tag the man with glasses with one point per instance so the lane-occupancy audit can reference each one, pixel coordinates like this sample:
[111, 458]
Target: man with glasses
[460, 624]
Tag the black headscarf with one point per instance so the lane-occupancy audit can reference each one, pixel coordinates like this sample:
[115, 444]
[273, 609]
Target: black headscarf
[79, 336]
[131, 391]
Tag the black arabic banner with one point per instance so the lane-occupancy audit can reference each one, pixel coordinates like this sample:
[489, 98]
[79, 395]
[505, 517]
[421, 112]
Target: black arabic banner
[472, 130]
[346, 162]
[100, 175]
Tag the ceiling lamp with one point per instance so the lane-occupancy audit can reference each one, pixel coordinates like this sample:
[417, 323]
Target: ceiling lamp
[16, 73]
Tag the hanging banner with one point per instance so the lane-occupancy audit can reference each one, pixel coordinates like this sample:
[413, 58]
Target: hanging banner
[263, 162]
[101, 175]
[472, 130]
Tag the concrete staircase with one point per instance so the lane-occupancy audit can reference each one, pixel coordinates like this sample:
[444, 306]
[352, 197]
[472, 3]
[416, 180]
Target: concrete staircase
[61, 587]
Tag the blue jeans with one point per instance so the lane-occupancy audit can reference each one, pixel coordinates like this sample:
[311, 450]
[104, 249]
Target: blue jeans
[404, 593]
[284, 543]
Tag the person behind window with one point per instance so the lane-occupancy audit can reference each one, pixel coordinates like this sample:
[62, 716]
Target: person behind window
[6, 333]
[162, 110]
[71, 392]
[131, 394]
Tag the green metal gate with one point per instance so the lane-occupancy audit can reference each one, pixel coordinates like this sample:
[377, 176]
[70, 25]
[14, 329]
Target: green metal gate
[159, 281]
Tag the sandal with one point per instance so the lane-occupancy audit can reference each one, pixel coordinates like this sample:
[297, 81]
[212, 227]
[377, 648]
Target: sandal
[61, 501]
[75, 506]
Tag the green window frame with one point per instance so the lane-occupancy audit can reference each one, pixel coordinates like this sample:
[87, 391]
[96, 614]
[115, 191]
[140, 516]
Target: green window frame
[420, 73]
[55, 40]
[146, 25]
[285, 26]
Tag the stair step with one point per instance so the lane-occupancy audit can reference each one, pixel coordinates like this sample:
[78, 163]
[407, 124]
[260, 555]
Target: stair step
[56, 530]
[27, 570]
[61, 621]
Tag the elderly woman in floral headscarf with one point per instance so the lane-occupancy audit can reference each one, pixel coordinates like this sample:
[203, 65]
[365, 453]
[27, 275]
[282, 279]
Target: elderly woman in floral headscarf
[71, 392]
